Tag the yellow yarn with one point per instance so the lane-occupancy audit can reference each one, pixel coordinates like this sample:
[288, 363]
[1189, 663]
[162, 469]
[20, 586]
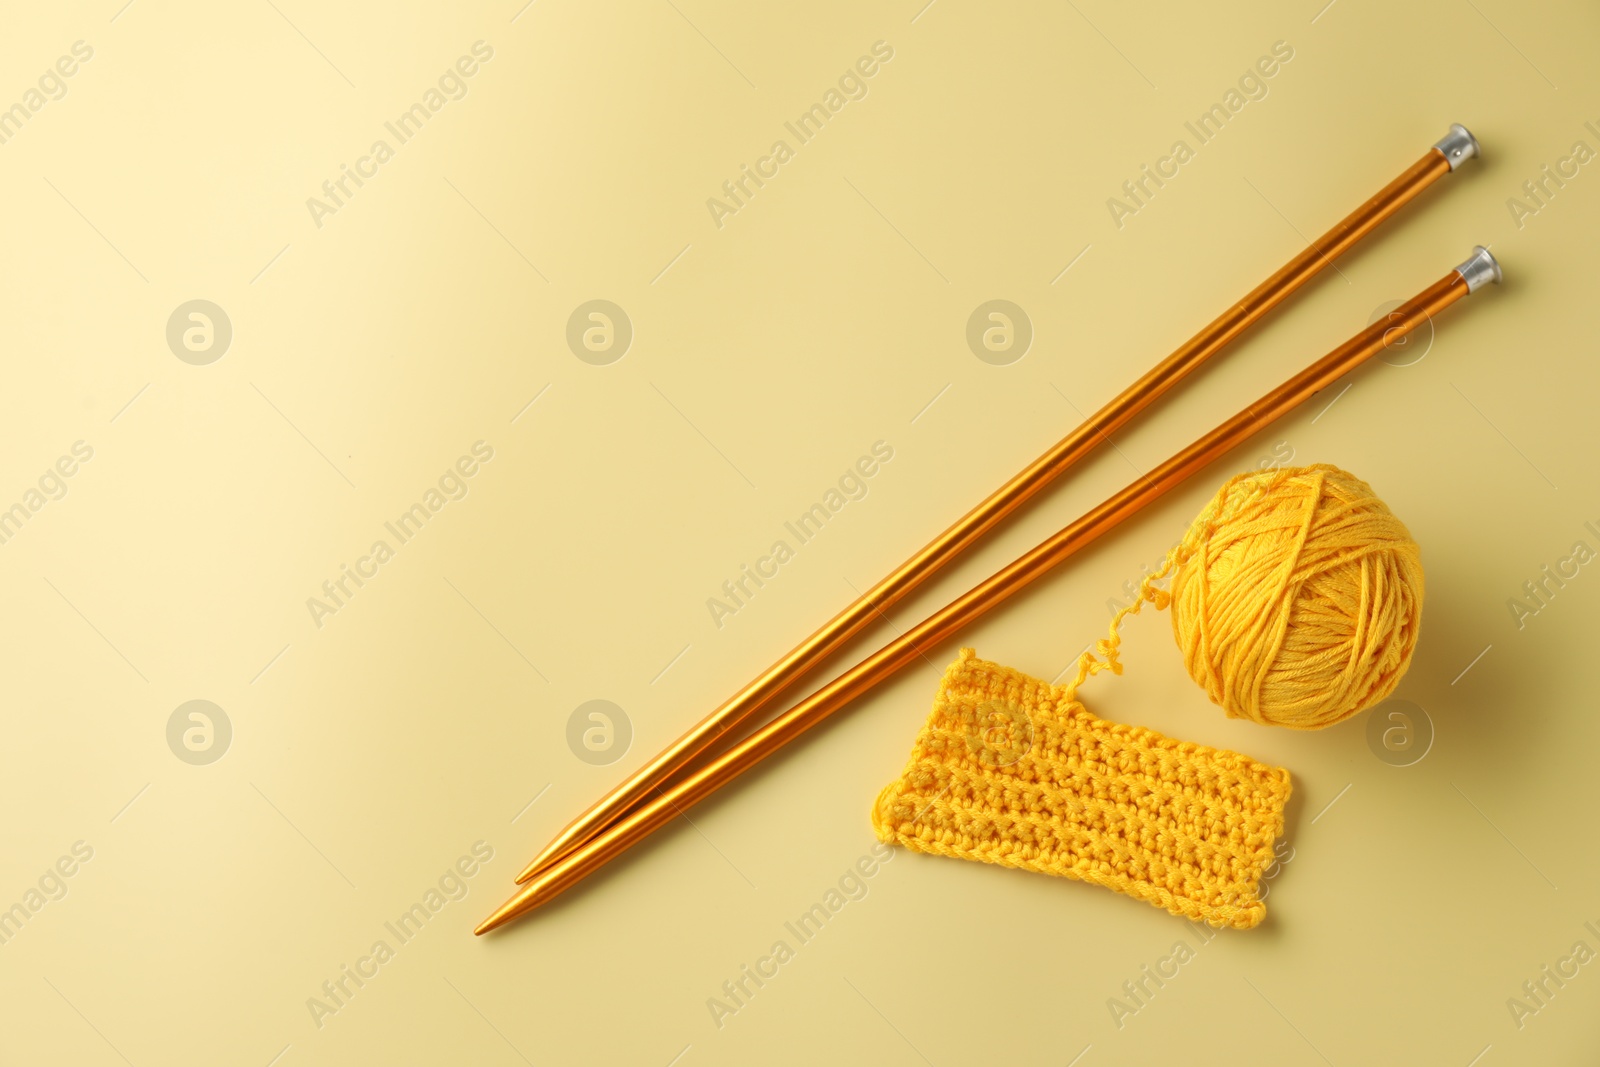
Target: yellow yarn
[1297, 598]
[1014, 771]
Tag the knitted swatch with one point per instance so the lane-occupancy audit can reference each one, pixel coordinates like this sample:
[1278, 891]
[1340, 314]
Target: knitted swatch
[1015, 771]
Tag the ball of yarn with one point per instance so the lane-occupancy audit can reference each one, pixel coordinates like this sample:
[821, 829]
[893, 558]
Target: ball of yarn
[1298, 598]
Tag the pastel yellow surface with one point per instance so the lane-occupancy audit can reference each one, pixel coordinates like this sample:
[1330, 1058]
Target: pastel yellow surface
[408, 742]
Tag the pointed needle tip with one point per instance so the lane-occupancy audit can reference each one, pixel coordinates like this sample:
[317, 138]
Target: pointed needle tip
[502, 916]
[539, 863]
[523, 902]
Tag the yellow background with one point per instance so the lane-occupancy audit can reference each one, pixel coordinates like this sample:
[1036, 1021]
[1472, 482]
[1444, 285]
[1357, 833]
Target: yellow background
[371, 752]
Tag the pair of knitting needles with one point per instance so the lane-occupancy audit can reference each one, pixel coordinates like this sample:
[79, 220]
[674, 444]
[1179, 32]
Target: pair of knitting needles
[661, 790]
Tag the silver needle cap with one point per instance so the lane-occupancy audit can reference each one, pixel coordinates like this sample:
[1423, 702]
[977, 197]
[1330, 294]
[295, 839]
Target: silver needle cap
[1479, 270]
[1458, 145]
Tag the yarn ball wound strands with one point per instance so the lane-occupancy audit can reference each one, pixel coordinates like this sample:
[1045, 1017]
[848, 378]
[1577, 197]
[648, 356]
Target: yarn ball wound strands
[1296, 596]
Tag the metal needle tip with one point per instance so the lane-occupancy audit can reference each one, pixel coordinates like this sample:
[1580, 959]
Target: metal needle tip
[547, 858]
[567, 841]
[523, 902]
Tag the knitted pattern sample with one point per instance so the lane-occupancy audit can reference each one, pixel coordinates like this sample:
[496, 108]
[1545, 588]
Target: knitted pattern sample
[1015, 771]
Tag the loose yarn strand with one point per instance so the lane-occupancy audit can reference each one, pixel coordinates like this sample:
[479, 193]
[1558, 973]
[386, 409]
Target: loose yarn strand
[1221, 509]
[1296, 598]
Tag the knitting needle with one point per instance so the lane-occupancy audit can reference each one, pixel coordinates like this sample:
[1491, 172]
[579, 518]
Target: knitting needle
[1456, 146]
[1470, 276]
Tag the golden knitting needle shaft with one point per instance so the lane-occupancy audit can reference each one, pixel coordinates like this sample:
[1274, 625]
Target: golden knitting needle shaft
[673, 800]
[1458, 145]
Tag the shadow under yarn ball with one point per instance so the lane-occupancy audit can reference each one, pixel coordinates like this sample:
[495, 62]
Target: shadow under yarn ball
[1297, 597]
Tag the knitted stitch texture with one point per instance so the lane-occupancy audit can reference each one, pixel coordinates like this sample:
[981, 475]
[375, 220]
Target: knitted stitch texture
[1012, 770]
